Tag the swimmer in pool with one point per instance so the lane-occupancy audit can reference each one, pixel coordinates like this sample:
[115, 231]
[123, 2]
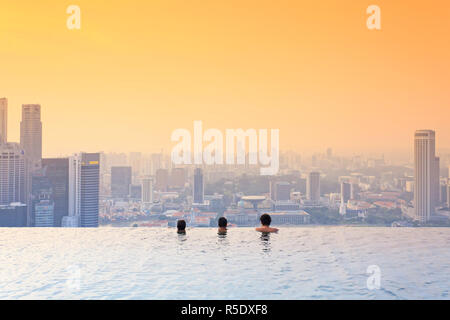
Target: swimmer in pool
[265, 224]
[181, 227]
[222, 225]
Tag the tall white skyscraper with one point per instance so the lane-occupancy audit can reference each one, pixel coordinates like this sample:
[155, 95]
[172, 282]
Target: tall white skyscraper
[84, 188]
[3, 120]
[426, 174]
[31, 134]
[13, 172]
[313, 186]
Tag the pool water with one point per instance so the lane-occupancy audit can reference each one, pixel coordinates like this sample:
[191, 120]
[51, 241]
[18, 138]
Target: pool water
[156, 263]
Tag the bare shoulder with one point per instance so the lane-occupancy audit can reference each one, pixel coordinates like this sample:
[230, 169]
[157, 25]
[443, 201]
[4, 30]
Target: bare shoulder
[266, 229]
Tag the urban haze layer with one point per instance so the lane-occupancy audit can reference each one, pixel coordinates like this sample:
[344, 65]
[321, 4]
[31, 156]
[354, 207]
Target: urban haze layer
[147, 190]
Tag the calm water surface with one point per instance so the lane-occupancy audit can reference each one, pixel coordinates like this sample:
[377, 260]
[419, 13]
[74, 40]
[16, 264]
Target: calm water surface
[152, 263]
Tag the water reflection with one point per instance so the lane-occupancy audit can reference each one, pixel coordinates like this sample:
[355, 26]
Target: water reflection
[222, 237]
[265, 241]
[181, 236]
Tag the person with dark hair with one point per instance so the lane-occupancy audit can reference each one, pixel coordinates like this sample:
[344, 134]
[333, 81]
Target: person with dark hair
[222, 225]
[181, 226]
[265, 224]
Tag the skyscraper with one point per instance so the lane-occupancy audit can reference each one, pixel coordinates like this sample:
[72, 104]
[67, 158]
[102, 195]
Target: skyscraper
[426, 175]
[120, 182]
[31, 134]
[13, 173]
[84, 187]
[57, 172]
[448, 196]
[3, 120]
[443, 193]
[313, 186]
[89, 188]
[354, 191]
[345, 192]
[147, 190]
[198, 186]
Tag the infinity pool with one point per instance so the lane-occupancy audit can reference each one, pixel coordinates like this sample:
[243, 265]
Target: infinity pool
[296, 263]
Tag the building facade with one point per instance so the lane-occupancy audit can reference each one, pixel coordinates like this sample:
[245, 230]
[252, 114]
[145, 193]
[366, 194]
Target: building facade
[31, 134]
[13, 173]
[57, 172]
[84, 189]
[313, 187]
[426, 175]
[13, 215]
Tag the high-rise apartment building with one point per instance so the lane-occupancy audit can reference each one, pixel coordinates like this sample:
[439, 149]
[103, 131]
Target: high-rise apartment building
[3, 120]
[198, 196]
[313, 186]
[426, 175]
[31, 134]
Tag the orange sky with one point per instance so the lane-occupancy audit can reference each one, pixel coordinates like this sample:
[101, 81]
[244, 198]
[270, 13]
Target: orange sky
[137, 70]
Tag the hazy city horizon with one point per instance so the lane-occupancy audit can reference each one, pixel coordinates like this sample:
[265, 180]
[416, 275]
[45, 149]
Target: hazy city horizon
[402, 153]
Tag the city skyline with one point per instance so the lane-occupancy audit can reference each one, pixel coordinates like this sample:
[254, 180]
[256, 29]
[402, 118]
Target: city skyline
[403, 154]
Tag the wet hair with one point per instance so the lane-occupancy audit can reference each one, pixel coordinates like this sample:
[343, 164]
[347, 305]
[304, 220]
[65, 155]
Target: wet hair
[181, 225]
[265, 219]
[222, 222]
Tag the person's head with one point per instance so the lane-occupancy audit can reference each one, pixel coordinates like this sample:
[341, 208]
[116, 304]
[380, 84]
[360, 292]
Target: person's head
[222, 222]
[181, 225]
[265, 219]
